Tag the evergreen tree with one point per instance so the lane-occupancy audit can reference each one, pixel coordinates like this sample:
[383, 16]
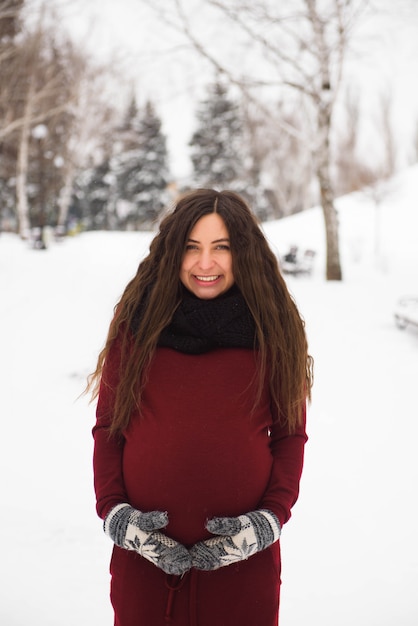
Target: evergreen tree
[94, 200]
[140, 167]
[127, 186]
[223, 153]
[217, 154]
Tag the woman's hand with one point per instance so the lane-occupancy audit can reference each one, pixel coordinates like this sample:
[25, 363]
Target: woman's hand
[238, 539]
[133, 530]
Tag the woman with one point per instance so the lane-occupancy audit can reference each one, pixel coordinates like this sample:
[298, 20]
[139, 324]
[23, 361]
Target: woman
[201, 422]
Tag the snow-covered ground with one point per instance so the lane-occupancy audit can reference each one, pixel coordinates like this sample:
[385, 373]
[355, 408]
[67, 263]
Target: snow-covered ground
[350, 551]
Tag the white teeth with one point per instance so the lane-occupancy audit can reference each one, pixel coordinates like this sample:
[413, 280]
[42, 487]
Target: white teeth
[207, 279]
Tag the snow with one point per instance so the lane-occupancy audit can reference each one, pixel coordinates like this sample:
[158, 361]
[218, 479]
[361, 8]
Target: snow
[350, 551]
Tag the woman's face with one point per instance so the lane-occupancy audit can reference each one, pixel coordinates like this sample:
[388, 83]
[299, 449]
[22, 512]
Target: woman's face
[206, 269]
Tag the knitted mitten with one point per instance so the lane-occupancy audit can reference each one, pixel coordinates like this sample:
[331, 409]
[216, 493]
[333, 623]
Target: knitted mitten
[240, 537]
[130, 529]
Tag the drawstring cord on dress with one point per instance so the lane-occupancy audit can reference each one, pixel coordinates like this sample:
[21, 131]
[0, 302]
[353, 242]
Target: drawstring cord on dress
[193, 598]
[173, 584]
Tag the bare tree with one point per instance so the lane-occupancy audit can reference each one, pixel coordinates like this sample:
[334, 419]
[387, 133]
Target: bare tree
[88, 109]
[33, 93]
[9, 29]
[37, 98]
[357, 168]
[18, 60]
[303, 44]
[388, 135]
[51, 105]
[278, 162]
[349, 169]
[10, 11]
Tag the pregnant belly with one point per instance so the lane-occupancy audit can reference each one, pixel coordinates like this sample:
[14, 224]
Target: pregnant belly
[196, 476]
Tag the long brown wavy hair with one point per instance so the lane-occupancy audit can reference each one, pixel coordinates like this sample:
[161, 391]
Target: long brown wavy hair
[280, 330]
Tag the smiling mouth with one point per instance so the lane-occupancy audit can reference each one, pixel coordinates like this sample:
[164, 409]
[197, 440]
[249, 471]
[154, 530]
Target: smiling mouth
[207, 279]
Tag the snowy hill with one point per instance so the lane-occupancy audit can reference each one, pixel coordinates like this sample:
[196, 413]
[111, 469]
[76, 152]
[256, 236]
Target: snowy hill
[350, 553]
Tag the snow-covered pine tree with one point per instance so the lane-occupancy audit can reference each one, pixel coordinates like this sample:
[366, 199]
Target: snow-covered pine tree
[140, 164]
[95, 197]
[223, 153]
[216, 145]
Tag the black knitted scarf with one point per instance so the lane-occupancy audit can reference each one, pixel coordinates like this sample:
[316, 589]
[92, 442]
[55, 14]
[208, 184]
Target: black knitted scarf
[200, 325]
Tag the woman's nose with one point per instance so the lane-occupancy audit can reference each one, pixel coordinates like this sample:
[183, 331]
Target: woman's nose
[206, 259]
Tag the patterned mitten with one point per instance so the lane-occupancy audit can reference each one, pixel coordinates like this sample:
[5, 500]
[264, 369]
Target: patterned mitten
[240, 537]
[130, 529]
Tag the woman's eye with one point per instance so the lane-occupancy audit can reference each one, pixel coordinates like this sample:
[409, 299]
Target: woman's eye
[223, 246]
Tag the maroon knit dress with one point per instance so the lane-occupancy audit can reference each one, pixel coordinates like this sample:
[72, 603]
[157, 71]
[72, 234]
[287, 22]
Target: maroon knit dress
[198, 450]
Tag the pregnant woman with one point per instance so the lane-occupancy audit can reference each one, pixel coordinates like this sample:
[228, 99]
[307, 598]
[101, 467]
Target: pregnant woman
[200, 431]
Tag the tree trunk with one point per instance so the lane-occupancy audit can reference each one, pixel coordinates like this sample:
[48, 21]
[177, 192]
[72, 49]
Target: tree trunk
[323, 159]
[22, 207]
[65, 197]
[333, 265]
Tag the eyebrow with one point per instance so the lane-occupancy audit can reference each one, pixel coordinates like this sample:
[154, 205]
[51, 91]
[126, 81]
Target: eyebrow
[215, 241]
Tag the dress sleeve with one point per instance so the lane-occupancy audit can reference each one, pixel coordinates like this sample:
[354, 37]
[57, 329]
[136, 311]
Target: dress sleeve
[283, 487]
[108, 450]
